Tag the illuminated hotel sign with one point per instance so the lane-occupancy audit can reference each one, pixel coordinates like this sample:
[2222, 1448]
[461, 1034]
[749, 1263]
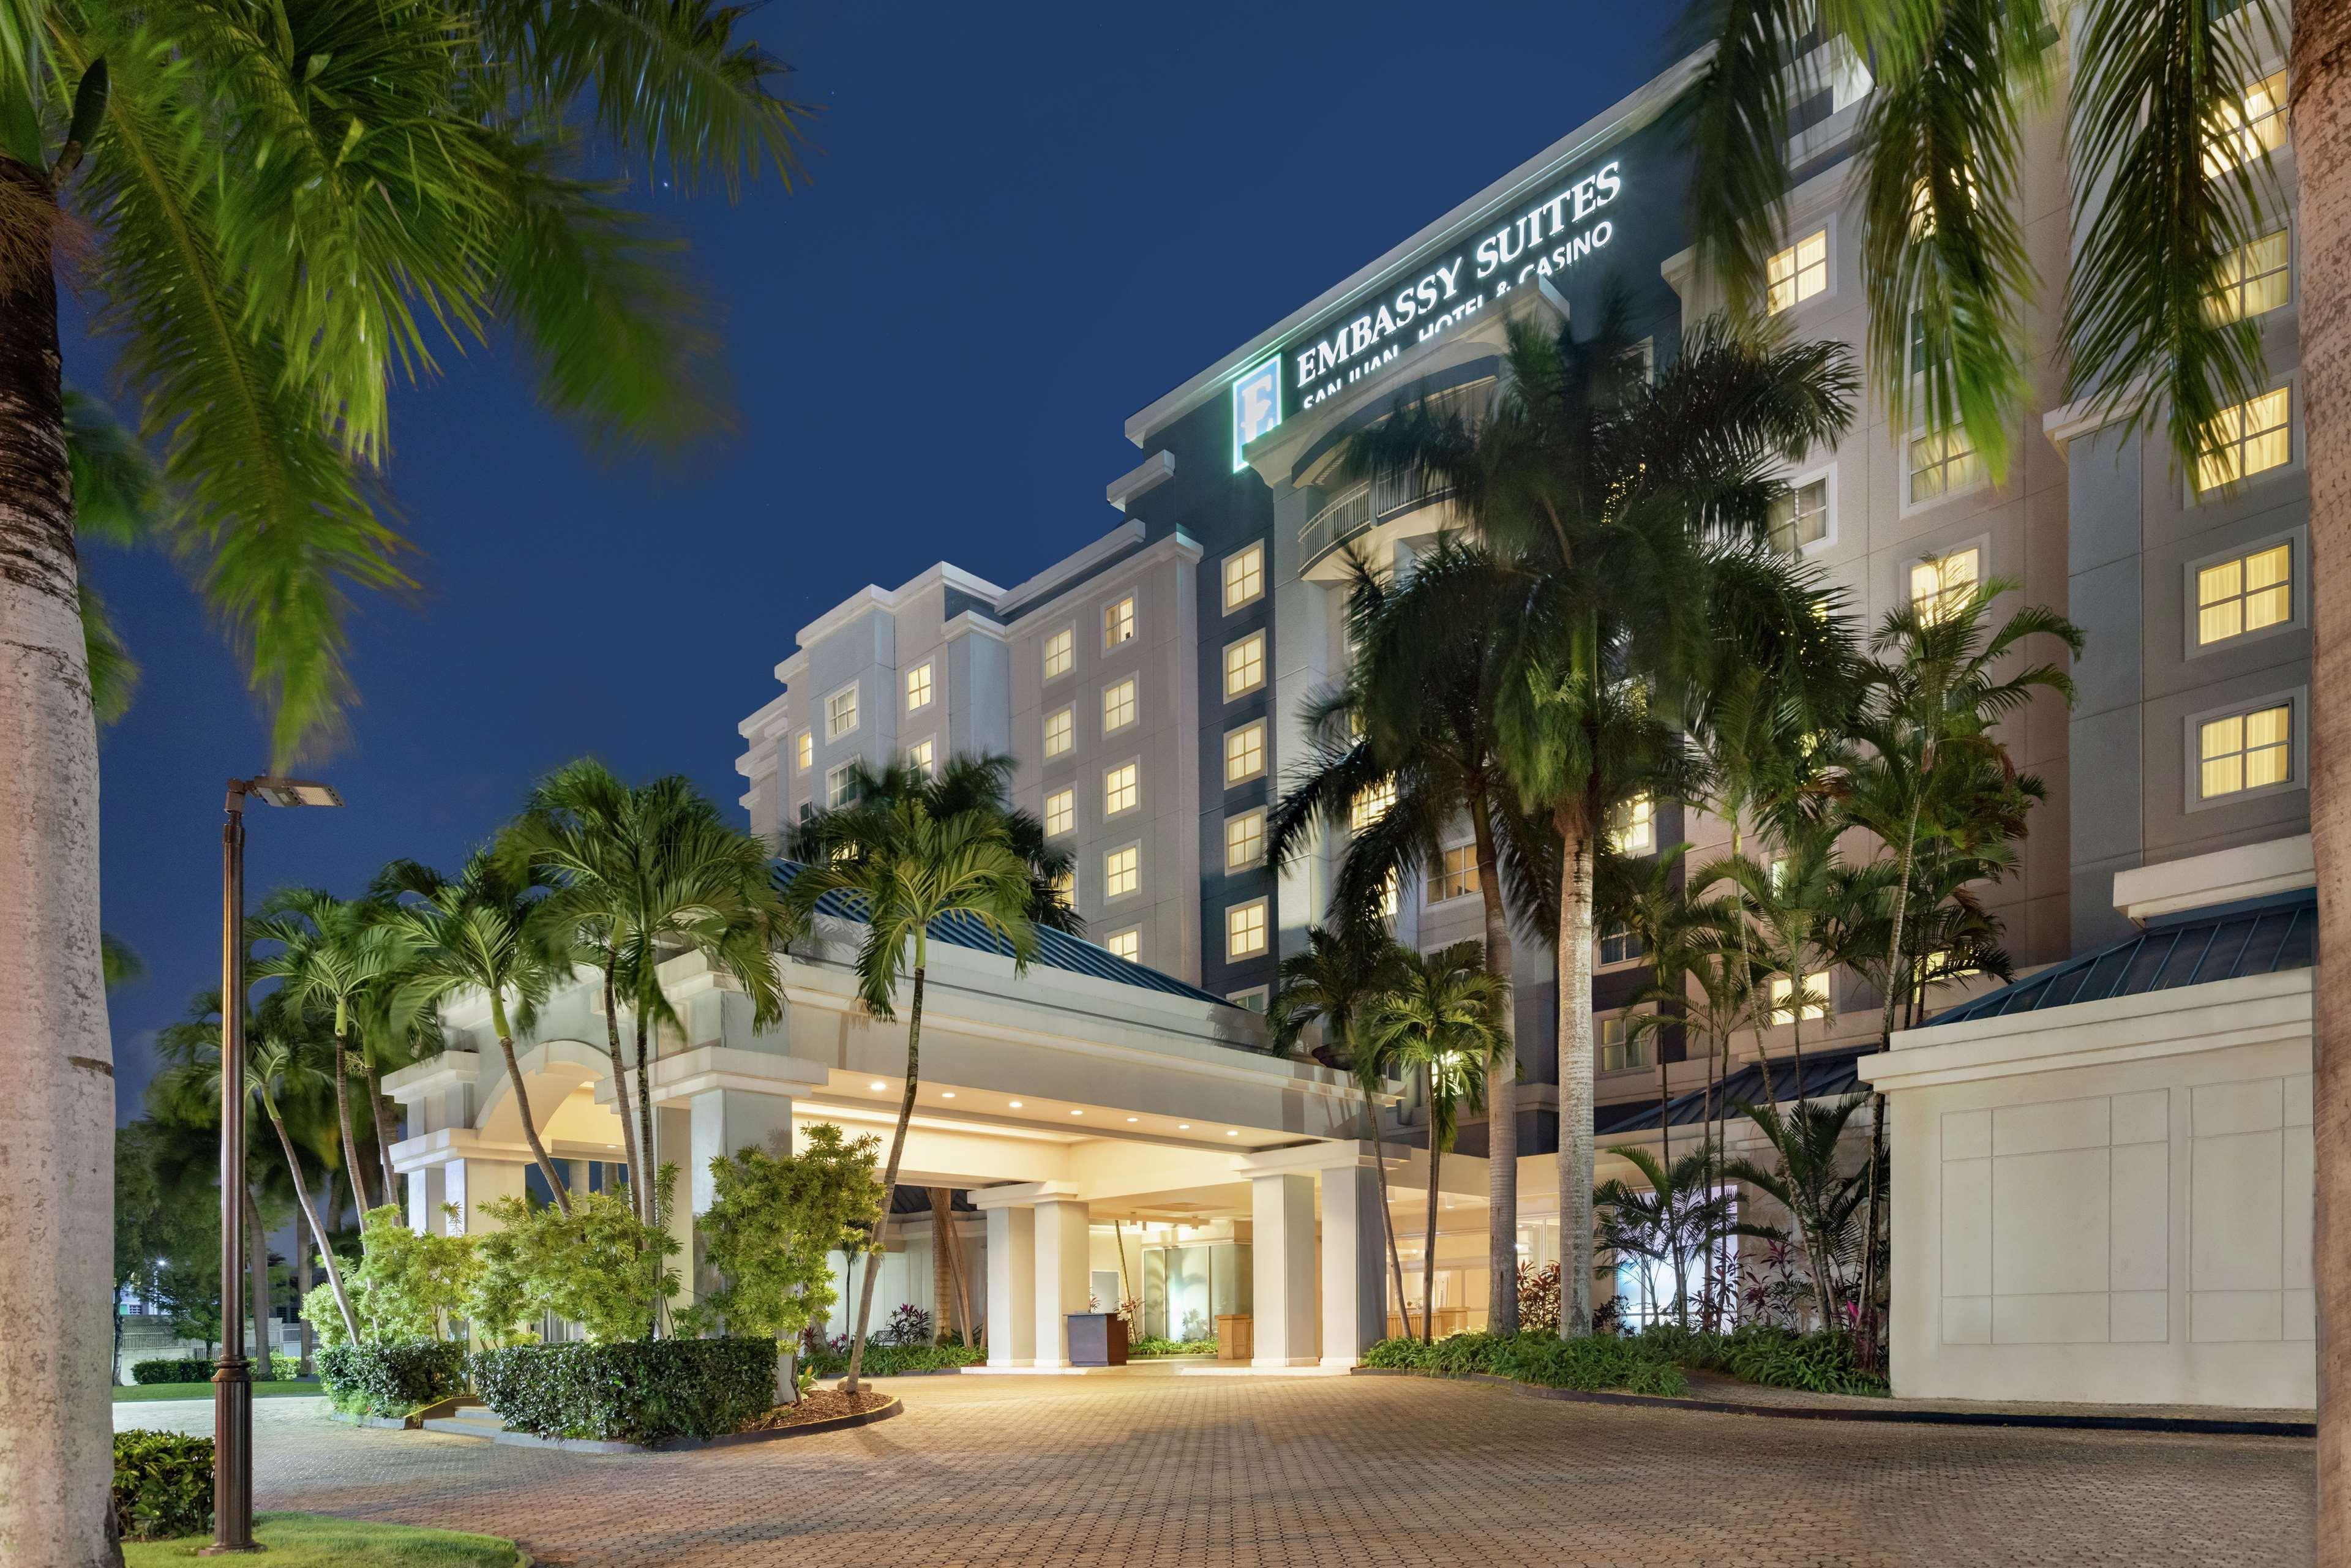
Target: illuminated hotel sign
[1545, 239]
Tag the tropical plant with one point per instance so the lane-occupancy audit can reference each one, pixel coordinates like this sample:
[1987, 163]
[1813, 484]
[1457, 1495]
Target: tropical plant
[1680, 1216]
[409, 1284]
[1826, 1205]
[584, 1264]
[1414, 727]
[907, 849]
[482, 930]
[1633, 509]
[1333, 981]
[771, 1221]
[1441, 1012]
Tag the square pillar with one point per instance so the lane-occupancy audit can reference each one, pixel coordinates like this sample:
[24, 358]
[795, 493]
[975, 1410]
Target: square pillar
[723, 1122]
[1062, 1275]
[1012, 1286]
[1282, 1211]
[473, 1185]
[428, 1189]
[674, 1144]
[1354, 1284]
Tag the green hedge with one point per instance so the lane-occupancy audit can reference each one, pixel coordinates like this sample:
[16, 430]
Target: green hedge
[635, 1391]
[897, 1360]
[1600, 1362]
[1150, 1346]
[1777, 1358]
[197, 1369]
[162, 1485]
[392, 1379]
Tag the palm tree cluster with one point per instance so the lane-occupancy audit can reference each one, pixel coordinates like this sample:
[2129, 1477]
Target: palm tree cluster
[1614, 633]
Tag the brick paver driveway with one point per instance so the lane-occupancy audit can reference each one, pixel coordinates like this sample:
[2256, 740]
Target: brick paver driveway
[1278, 1473]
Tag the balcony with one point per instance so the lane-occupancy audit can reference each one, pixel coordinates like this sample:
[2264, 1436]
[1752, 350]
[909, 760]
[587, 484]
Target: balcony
[1360, 507]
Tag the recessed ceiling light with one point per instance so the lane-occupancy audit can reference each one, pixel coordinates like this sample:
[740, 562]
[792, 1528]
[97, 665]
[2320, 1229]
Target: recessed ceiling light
[877, 1084]
[1014, 1104]
[948, 1094]
[1134, 1118]
[1232, 1132]
[1182, 1126]
[1077, 1113]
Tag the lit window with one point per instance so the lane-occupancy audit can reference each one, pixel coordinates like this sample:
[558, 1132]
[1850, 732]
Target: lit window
[1620, 1048]
[1941, 584]
[1244, 665]
[1122, 870]
[2245, 751]
[840, 712]
[1784, 998]
[1775, 875]
[836, 784]
[1244, 841]
[918, 687]
[1634, 830]
[2246, 440]
[1245, 929]
[1391, 896]
[1800, 517]
[1061, 731]
[922, 755]
[1244, 577]
[1059, 652]
[1064, 884]
[2255, 280]
[1118, 621]
[1244, 752]
[1457, 875]
[1062, 812]
[1944, 463]
[1800, 271]
[2246, 594]
[806, 749]
[1126, 944]
[1122, 789]
[2247, 130]
[1372, 804]
[1618, 945]
[1118, 705]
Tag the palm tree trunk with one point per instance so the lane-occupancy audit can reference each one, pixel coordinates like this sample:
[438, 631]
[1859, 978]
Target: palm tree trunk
[305, 1235]
[897, 1150]
[941, 1271]
[380, 1112]
[54, 1420]
[302, 1196]
[1894, 956]
[1429, 1244]
[1387, 1213]
[257, 1268]
[1501, 1095]
[637, 1188]
[2321, 130]
[645, 1130]
[1575, 1151]
[522, 1106]
[353, 1167]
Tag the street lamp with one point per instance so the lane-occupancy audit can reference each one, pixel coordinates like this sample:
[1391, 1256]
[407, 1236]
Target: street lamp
[233, 1376]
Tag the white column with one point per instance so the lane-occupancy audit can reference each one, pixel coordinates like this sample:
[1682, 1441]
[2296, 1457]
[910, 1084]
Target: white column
[726, 1122]
[674, 1144]
[428, 1189]
[1355, 1285]
[474, 1185]
[1062, 1260]
[1283, 1209]
[1012, 1286]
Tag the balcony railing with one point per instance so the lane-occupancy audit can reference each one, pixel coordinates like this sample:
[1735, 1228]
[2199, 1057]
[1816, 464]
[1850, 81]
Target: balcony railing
[1362, 505]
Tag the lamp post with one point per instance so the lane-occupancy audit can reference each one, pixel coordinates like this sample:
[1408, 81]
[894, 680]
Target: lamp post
[233, 1376]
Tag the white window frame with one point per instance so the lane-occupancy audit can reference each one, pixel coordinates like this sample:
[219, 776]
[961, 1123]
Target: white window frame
[1068, 636]
[2296, 700]
[1826, 230]
[1233, 693]
[1904, 475]
[834, 798]
[856, 712]
[803, 750]
[1233, 818]
[1599, 946]
[1067, 792]
[1617, 831]
[1133, 685]
[2292, 232]
[930, 764]
[1110, 944]
[1133, 847]
[1225, 581]
[1265, 930]
[1251, 999]
[928, 673]
[1045, 733]
[1649, 1044]
[1264, 745]
[2297, 540]
[2253, 484]
[1137, 805]
[1133, 621]
[1796, 481]
[1435, 893]
[1817, 983]
[1980, 543]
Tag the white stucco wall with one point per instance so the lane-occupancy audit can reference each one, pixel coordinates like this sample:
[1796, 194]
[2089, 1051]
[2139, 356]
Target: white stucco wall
[2107, 1202]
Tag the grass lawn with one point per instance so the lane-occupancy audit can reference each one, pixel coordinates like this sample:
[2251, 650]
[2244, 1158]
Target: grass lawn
[316, 1541]
[136, 1392]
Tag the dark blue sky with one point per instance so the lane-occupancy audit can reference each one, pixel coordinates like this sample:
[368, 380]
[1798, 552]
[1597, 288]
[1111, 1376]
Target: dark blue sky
[1025, 223]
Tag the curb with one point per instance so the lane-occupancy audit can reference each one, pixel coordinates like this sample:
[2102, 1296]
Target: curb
[686, 1445]
[2197, 1425]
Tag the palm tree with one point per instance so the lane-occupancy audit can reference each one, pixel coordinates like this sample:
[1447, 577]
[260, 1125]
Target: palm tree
[1632, 510]
[1333, 981]
[641, 875]
[1416, 721]
[482, 930]
[908, 850]
[1825, 1202]
[337, 955]
[1442, 1013]
[279, 211]
[1648, 896]
[1679, 1214]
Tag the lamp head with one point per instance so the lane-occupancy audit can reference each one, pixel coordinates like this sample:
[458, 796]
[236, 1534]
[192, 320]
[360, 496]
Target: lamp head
[294, 791]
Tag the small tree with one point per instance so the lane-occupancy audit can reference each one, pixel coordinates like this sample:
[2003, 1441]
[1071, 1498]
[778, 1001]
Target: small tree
[409, 1284]
[584, 1265]
[772, 1220]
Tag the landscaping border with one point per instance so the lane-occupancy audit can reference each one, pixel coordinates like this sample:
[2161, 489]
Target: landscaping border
[682, 1445]
[2202, 1426]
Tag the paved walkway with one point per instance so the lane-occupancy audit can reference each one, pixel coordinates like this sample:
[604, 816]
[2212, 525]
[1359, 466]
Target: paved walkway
[1280, 1473]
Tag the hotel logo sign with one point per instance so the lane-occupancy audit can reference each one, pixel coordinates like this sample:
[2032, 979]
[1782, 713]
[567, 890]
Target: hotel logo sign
[1257, 406]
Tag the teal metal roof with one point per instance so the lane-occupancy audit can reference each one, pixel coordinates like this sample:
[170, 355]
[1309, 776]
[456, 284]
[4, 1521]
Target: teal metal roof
[2195, 947]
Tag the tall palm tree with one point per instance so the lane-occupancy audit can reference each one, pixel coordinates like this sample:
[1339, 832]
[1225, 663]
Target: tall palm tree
[1634, 510]
[1415, 721]
[482, 930]
[280, 203]
[1333, 981]
[1678, 1212]
[1648, 896]
[906, 850]
[340, 956]
[1442, 1014]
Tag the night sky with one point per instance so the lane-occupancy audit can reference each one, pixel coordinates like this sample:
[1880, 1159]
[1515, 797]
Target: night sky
[1023, 225]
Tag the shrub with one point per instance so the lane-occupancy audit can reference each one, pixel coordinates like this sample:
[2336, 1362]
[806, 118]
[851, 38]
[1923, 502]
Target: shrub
[407, 1284]
[1538, 1298]
[639, 1391]
[1776, 1357]
[830, 1358]
[199, 1369]
[392, 1379]
[910, 1324]
[1599, 1362]
[162, 1485]
[1150, 1346]
[771, 1221]
[598, 1266]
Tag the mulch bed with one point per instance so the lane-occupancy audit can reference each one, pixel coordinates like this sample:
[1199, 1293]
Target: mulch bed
[818, 1404]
